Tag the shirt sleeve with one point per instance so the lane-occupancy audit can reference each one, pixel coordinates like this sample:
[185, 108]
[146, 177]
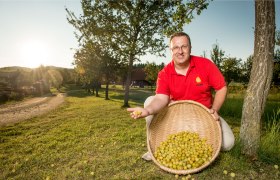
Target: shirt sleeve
[162, 83]
[216, 78]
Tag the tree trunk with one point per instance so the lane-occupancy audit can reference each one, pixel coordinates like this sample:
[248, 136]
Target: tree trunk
[128, 81]
[260, 79]
[107, 91]
[97, 86]
[92, 87]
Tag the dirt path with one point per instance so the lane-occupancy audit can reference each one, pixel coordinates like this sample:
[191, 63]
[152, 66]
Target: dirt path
[13, 113]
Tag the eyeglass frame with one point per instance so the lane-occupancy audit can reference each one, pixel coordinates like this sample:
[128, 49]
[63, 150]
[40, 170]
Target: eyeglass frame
[177, 48]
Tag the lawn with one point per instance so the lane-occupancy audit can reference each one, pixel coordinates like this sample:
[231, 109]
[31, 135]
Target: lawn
[92, 138]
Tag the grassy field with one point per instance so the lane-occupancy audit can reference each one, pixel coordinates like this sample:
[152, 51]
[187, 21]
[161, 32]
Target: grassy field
[92, 138]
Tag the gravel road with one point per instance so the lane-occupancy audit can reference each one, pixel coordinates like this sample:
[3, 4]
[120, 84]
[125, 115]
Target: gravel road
[13, 113]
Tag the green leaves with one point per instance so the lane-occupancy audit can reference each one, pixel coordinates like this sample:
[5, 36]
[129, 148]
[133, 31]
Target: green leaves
[125, 30]
[151, 70]
[134, 27]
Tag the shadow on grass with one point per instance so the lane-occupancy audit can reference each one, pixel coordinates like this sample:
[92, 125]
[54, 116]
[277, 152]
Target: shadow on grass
[78, 93]
[140, 95]
[136, 96]
[116, 97]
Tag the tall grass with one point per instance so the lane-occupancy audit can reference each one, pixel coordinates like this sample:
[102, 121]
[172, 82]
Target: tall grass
[269, 150]
[232, 107]
[270, 140]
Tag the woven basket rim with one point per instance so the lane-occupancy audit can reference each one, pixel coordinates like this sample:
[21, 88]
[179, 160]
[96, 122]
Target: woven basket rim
[195, 170]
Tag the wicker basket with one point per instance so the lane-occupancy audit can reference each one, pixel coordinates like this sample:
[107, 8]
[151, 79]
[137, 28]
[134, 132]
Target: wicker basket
[184, 116]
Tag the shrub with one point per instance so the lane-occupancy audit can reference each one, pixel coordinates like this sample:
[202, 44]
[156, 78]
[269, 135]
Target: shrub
[15, 96]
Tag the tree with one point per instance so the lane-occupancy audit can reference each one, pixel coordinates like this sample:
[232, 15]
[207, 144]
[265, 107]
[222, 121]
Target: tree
[217, 55]
[55, 78]
[204, 54]
[105, 67]
[88, 66]
[108, 66]
[276, 71]
[95, 57]
[68, 75]
[130, 29]
[152, 70]
[230, 68]
[277, 37]
[246, 69]
[260, 79]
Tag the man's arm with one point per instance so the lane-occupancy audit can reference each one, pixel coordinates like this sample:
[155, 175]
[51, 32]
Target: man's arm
[219, 99]
[158, 102]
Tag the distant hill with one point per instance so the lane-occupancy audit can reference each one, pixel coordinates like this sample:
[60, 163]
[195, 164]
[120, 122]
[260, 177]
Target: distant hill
[15, 68]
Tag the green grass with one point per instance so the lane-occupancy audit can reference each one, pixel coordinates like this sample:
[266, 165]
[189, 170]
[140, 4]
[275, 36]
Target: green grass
[92, 138]
[270, 144]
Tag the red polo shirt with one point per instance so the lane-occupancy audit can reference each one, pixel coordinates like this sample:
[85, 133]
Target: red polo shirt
[196, 85]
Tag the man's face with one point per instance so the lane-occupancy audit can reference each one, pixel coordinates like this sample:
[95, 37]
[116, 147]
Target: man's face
[180, 50]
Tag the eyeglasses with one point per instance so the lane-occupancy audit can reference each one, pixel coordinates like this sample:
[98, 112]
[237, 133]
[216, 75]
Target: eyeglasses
[177, 48]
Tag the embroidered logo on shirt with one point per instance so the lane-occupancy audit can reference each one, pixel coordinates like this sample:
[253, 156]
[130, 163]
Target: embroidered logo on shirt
[198, 81]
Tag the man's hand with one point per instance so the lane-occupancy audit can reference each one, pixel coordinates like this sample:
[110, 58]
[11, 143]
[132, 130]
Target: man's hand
[215, 115]
[138, 112]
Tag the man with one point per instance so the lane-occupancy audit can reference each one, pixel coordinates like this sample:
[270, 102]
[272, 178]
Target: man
[187, 77]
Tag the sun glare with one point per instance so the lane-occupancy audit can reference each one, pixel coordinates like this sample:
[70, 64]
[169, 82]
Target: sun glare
[34, 53]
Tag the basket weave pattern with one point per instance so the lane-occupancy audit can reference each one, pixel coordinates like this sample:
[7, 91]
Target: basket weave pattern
[184, 116]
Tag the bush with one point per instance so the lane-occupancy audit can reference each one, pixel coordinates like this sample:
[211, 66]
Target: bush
[16, 96]
[4, 98]
[274, 89]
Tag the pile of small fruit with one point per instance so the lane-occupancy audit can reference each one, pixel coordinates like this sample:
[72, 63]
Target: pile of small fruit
[183, 151]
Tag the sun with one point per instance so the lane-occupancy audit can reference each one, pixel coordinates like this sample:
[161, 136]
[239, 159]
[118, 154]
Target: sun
[34, 53]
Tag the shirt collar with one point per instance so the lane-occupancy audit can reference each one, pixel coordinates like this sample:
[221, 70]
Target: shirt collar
[192, 64]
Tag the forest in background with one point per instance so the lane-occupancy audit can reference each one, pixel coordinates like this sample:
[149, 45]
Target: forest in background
[19, 82]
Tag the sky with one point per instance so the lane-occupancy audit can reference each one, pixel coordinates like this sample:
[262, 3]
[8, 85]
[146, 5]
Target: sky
[36, 32]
